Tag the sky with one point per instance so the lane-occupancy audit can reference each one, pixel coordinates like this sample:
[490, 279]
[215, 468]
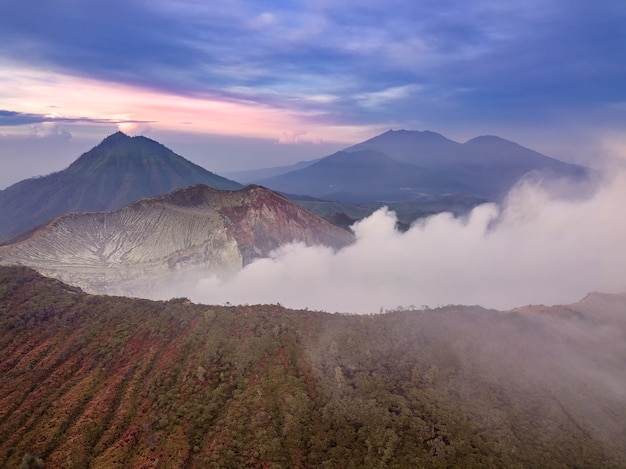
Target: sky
[240, 84]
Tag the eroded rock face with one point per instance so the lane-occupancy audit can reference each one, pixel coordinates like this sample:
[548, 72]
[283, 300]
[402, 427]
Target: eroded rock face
[261, 221]
[193, 229]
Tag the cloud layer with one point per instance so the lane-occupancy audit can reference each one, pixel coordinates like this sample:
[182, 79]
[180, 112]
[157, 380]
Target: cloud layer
[372, 63]
[540, 247]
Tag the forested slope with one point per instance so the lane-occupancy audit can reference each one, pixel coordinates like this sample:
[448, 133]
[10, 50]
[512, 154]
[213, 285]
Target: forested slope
[94, 381]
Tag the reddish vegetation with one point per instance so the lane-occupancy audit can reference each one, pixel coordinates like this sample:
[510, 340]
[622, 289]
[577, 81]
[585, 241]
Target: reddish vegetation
[93, 381]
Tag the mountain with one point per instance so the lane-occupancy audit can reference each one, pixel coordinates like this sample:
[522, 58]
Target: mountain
[363, 176]
[489, 165]
[424, 148]
[94, 381]
[150, 241]
[252, 175]
[412, 165]
[118, 171]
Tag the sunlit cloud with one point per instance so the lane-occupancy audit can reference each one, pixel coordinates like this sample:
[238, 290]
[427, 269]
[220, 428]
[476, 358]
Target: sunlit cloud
[134, 128]
[387, 96]
[138, 109]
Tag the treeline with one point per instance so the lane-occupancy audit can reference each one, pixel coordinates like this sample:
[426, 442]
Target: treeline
[94, 381]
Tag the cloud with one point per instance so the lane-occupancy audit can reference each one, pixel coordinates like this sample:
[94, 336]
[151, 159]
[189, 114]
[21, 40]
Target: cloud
[11, 118]
[572, 56]
[293, 136]
[15, 118]
[537, 248]
[264, 20]
[134, 127]
[52, 120]
[387, 96]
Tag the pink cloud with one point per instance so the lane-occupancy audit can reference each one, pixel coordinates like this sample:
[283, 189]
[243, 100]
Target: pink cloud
[37, 92]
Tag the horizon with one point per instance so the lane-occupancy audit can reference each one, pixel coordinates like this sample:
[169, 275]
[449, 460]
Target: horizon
[9, 177]
[246, 85]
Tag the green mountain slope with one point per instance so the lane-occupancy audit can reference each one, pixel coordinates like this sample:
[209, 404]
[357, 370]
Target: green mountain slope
[118, 171]
[93, 381]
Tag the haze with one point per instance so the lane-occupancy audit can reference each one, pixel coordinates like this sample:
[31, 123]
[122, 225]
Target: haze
[239, 85]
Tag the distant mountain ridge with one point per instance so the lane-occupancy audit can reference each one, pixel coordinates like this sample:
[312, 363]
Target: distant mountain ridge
[119, 170]
[197, 228]
[484, 167]
[414, 172]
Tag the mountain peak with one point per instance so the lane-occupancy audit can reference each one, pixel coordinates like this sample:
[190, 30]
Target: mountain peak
[200, 194]
[118, 134]
[488, 140]
[405, 144]
[119, 170]
[406, 136]
[408, 164]
[115, 138]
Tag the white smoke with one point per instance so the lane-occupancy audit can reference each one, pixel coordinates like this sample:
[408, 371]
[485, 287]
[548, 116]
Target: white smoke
[539, 247]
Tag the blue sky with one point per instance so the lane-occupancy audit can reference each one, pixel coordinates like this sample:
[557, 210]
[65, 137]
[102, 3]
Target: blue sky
[241, 84]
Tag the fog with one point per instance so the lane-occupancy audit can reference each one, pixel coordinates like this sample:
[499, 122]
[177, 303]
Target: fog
[547, 243]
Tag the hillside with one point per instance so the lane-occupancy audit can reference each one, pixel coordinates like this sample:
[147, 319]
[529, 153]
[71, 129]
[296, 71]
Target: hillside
[118, 171]
[155, 240]
[91, 381]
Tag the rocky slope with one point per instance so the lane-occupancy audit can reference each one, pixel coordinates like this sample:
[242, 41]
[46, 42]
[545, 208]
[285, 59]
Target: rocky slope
[195, 229]
[94, 381]
[118, 171]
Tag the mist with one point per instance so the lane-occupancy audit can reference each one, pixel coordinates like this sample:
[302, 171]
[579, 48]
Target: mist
[547, 243]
